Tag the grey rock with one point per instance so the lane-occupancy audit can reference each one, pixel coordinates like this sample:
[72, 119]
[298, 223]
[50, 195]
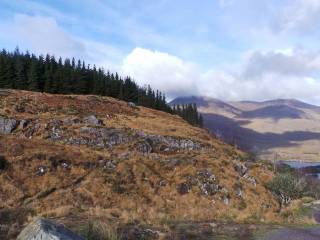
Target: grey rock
[100, 137]
[132, 105]
[7, 125]
[41, 171]
[144, 147]
[162, 183]
[170, 144]
[241, 169]
[93, 120]
[70, 122]
[226, 199]
[42, 229]
[110, 165]
[207, 182]
[250, 179]
[183, 188]
[24, 123]
[239, 193]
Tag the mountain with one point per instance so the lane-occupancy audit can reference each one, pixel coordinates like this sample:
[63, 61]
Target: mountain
[282, 128]
[88, 160]
[208, 105]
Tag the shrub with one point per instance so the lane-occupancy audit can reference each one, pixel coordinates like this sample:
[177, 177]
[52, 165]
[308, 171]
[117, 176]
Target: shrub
[101, 231]
[287, 187]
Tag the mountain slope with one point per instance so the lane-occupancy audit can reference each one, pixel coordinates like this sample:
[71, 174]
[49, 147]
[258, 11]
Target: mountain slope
[287, 128]
[86, 158]
[208, 105]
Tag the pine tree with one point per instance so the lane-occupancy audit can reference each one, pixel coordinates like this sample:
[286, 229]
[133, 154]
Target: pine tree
[33, 75]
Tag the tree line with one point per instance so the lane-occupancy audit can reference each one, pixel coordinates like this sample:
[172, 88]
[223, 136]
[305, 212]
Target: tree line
[189, 112]
[27, 71]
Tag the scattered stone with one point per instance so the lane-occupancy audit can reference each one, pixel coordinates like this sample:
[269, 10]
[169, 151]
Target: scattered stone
[132, 105]
[226, 199]
[65, 166]
[41, 171]
[7, 125]
[183, 188]
[250, 179]
[42, 229]
[24, 123]
[207, 182]
[241, 169]
[110, 165]
[239, 193]
[93, 120]
[162, 183]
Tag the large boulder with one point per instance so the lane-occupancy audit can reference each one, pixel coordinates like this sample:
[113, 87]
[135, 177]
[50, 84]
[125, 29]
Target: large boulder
[42, 229]
[7, 125]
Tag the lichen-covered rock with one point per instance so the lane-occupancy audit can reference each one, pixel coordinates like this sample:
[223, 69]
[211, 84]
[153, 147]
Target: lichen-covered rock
[207, 182]
[241, 169]
[144, 147]
[169, 144]
[104, 137]
[7, 125]
[42, 229]
[132, 105]
[93, 120]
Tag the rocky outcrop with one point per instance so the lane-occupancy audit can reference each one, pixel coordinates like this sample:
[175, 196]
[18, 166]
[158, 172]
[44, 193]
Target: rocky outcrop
[205, 180]
[42, 229]
[7, 125]
[96, 135]
[169, 144]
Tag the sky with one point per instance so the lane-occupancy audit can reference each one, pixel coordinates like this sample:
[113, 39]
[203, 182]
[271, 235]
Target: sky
[226, 49]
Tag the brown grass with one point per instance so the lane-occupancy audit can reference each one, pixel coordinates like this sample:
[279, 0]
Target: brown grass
[131, 192]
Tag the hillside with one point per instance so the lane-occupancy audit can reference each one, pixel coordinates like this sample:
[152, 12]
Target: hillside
[80, 159]
[287, 128]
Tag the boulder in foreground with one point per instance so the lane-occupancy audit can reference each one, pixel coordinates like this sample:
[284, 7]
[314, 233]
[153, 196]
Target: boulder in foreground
[47, 230]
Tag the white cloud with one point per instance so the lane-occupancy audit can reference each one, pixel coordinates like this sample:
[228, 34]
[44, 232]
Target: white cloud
[278, 79]
[43, 35]
[161, 70]
[299, 15]
[293, 62]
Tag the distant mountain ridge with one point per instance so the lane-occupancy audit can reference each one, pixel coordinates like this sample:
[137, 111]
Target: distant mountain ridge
[287, 127]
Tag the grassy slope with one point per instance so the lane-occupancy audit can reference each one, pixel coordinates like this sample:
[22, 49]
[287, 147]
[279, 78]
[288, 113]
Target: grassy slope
[129, 192]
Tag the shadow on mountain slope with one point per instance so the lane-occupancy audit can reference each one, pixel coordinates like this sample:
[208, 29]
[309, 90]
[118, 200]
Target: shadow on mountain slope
[250, 140]
[274, 112]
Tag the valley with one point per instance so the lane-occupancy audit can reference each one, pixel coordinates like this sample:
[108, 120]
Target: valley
[271, 130]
